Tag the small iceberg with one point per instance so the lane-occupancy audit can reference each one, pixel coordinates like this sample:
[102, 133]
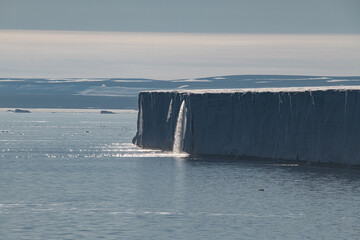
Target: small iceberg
[106, 112]
[21, 111]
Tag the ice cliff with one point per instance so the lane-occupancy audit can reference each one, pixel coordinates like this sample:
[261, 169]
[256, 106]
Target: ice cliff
[316, 124]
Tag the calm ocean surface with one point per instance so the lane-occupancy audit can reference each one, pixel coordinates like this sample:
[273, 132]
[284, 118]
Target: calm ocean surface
[77, 176]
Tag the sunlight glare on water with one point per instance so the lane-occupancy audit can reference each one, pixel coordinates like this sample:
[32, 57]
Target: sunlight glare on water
[130, 150]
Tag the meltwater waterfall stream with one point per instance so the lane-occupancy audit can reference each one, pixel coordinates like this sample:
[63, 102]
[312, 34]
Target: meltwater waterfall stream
[180, 129]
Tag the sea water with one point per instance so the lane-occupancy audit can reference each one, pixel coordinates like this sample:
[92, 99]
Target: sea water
[77, 176]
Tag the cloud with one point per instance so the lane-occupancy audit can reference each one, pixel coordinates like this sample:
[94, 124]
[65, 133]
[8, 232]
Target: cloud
[169, 56]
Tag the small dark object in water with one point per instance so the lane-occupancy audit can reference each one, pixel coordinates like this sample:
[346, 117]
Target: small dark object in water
[21, 111]
[261, 189]
[106, 112]
[87, 131]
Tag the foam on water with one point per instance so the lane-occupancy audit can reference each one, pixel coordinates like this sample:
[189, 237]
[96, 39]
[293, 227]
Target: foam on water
[131, 150]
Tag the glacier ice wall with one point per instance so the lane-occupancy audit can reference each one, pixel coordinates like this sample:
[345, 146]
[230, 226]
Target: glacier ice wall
[307, 124]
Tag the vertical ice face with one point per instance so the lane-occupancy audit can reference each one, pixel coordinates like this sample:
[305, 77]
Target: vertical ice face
[140, 119]
[308, 124]
[180, 129]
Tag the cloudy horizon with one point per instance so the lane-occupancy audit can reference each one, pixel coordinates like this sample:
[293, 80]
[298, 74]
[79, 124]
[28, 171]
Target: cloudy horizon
[178, 39]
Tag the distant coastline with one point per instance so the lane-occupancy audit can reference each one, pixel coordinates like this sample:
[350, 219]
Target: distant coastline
[122, 93]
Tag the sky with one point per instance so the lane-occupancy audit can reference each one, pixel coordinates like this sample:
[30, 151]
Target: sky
[168, 39]
[204, 16]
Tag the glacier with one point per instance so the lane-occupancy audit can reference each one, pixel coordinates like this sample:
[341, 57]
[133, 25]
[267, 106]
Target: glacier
[313, 124]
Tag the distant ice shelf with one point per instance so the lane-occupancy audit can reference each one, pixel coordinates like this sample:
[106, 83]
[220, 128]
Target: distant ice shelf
[315, 124]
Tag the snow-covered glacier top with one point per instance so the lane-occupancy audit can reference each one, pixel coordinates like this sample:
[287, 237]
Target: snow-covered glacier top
[315, 124]
[260, 90]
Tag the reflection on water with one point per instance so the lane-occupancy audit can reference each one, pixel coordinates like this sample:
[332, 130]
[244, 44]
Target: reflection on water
[76, 176]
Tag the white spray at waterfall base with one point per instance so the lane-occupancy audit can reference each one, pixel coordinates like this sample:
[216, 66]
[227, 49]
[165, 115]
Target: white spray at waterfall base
[180, 129]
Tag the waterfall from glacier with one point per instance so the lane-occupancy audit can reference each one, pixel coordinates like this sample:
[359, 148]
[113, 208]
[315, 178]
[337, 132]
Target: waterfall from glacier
[180, 129]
